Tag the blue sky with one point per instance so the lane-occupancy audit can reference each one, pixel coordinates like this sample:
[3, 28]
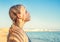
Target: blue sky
[45, 14]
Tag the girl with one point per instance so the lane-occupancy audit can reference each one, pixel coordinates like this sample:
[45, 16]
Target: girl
[19, 16]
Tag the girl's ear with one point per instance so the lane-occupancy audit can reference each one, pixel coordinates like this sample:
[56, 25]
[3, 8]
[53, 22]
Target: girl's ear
[19, 16]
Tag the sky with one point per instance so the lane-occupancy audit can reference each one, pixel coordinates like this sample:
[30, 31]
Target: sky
[45, 14]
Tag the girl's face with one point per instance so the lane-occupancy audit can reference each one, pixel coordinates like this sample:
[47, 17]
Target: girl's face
[24, 14]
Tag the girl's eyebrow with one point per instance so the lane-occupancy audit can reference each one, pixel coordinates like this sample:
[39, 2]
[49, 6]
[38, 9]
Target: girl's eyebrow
[14, 13]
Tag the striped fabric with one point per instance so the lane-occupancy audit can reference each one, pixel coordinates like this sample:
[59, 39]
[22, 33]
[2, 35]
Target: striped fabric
[16, 34]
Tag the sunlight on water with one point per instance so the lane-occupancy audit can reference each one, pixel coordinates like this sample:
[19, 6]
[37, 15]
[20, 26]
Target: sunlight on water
[44, 36]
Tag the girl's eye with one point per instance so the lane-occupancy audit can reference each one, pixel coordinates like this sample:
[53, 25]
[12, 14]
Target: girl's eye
[14, 13]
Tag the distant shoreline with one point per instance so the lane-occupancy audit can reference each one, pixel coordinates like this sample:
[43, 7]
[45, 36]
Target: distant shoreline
[7, 29]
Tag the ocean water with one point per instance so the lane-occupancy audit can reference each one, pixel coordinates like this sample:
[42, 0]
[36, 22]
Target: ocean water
[44, 36]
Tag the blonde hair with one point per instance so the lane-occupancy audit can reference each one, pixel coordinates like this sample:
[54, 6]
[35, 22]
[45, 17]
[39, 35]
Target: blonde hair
[13, 11]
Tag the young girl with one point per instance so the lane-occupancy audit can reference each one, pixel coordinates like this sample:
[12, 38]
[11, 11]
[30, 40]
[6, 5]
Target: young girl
[19, 16]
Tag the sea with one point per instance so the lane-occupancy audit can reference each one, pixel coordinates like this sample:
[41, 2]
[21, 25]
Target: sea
[44, 36]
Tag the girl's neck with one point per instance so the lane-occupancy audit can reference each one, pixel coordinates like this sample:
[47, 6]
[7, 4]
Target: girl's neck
[19, 23]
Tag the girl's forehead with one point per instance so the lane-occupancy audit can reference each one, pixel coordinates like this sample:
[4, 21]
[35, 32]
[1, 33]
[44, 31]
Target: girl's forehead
[23, 8]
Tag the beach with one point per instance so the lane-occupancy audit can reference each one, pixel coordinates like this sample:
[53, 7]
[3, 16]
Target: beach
[52, 36]
[3, 34]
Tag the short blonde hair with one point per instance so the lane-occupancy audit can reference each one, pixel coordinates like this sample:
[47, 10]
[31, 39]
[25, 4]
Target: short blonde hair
[13, 11]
